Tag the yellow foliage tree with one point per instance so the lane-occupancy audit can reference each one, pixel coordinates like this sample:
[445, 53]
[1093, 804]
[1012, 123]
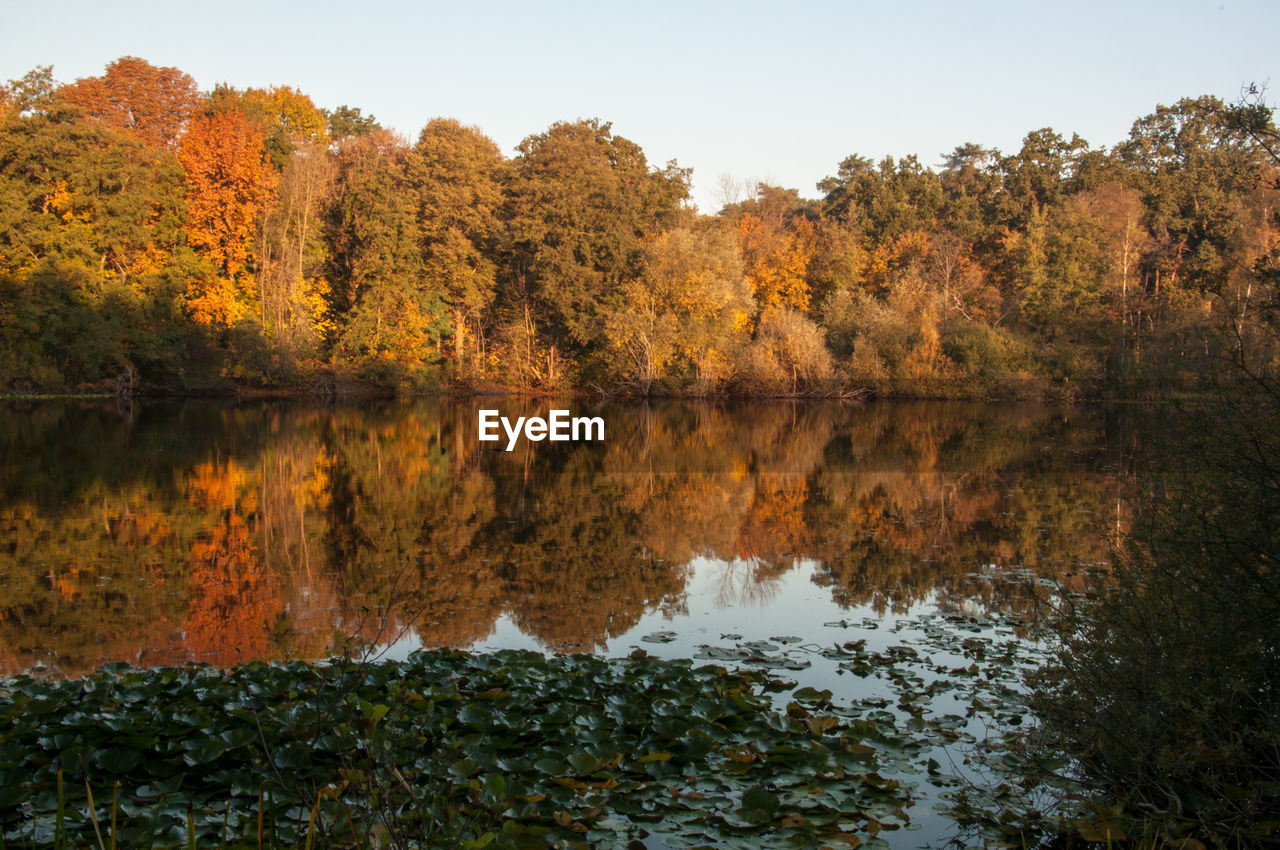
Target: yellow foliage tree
[776, 261]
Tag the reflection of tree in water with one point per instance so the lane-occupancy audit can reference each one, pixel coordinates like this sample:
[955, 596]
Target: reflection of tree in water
[166, 549]
[261, 529]
[461, 595]
[774, 530]
[941, 494]
[84, 586]
[573, 563]
[234, 599]
[748, 582]
[292, 496]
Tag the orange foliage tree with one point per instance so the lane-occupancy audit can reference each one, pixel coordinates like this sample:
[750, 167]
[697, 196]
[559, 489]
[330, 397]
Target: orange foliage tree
[229, 183]
[139, 98]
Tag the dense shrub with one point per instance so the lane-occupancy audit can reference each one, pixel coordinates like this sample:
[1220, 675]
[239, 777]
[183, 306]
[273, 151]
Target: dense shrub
[788, 354]
[1166, 689]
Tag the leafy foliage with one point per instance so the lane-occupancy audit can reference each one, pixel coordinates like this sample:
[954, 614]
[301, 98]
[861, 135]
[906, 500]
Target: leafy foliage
[314, 248]
[229, 182]
[1165, 689]
[509, 748]
[135, 97]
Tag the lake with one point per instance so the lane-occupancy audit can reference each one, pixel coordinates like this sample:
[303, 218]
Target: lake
[763, 534]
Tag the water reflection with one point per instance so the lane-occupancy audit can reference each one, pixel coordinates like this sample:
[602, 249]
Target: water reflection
[207, 531]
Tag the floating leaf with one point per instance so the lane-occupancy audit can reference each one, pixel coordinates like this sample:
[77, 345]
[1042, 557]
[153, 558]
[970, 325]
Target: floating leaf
[659, 637]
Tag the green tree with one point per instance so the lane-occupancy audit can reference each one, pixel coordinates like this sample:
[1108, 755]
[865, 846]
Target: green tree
[1061, 268]
[971, 187]
[90, 237]
[350, 121]
[387, 318]
[457, 173]
[580, 203]
[32, 92]
[1038, 175]
[1192, 163]
[885, 202]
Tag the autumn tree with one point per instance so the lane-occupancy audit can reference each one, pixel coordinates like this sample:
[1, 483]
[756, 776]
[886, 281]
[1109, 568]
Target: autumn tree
[456, 173]
[133, 96]
[229, 183]
[1118, 211]
[291, 251]
[957, 282]
[691, 305]
[288, 249]
[289, 121]
[787, 355]
[776, 261]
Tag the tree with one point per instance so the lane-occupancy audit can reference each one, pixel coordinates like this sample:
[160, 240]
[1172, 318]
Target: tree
[288, 119]
[970, 181]
[1038, 175]
[1118, 211]
[136, 97]
[456, 173]
[691, 303]
[788, 353]
[776, 239]
[387, 316]
[1191, 162]
[90, 232]
[580, 202]
[291, 251]
[883, 203]
[32, 92]
[1165, 687]
[229, 183]
[1061, 266]
[776, 261]
[350, 121]
[81, 193]
[957, 282]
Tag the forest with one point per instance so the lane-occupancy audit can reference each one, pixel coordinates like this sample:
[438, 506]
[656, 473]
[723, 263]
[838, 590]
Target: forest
[155, 238]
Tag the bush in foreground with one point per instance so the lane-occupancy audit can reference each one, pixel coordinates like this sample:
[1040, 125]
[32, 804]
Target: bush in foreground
[1166, 689]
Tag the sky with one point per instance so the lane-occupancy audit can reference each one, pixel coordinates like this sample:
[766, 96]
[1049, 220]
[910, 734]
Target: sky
[755, 91]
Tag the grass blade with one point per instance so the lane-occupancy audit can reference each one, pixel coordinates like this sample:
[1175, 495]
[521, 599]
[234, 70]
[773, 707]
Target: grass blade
[93, 814]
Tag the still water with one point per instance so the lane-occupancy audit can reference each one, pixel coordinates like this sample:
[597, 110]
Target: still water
[888, 553]
[207, 531]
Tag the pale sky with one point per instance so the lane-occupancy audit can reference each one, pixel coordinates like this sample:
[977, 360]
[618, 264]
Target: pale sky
[761, 91]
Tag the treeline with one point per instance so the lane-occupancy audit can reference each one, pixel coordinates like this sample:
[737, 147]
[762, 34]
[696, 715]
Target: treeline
[153, 236]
